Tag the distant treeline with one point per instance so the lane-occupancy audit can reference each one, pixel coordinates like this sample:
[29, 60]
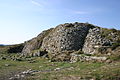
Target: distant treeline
[1, 45]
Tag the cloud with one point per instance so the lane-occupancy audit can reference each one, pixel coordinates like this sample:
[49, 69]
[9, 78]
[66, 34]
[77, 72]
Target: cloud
[36, 3]
[80, 12]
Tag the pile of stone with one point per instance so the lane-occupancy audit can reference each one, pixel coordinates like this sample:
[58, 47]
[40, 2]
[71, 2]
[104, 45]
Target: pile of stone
[76, 57]
[71, 37]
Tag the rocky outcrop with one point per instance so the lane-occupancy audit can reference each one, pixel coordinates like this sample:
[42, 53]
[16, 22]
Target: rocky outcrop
[100, 38]
[35, 43]
[81, 58]
[67, 38]
[94, 40]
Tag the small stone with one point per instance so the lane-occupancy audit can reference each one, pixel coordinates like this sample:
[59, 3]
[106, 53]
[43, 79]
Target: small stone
[71, 68]
[11, 78]
[40, 66]
[17, 75]
[56, 69]
[22, 75]
[92, 79]
[7, 65]
[32, 61]
[108, 61]
[108, 54]
[94, 70]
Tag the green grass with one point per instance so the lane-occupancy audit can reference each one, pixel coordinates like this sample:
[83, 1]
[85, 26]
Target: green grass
[108, 72]
[74, 71]
[85, 70]
[107, 34]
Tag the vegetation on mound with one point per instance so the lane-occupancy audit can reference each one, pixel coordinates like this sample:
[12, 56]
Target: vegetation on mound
[108, 33]
[11, 48]
[78, 70]
[42, 64]
[46, 34]
[16, 48]
[14, 64]
[115, 45]
[57, 66]
[115, 57]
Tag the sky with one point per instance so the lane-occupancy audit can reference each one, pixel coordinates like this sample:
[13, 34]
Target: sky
[21, 20]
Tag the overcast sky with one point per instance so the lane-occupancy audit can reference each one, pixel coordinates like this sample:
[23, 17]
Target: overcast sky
[21, 20]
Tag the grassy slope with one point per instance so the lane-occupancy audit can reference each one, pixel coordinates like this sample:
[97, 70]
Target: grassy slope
[73, 71]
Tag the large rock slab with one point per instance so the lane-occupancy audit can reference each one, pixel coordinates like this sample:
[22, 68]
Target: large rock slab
[70, 37]
[66, 37]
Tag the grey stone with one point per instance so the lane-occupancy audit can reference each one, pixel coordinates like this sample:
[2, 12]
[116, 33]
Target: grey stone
[76, 58]
[71, 37]
[7, 65]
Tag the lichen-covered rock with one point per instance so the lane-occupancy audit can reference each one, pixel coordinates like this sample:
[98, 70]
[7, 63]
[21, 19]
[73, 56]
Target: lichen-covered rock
[59, 42]
[94, 40]
[66, 37]
[35, 43]
[98, 38]
[81, 57]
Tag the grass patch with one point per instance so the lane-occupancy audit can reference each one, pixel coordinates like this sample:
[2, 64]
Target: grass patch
[108, 72]
[82, 70]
